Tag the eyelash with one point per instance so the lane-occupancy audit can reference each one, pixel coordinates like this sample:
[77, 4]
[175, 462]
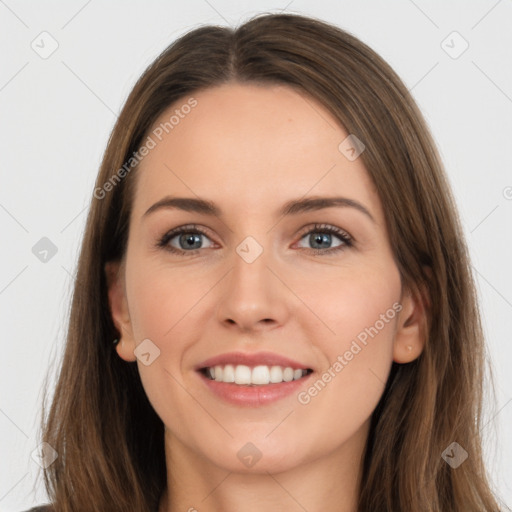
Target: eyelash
[316, 228]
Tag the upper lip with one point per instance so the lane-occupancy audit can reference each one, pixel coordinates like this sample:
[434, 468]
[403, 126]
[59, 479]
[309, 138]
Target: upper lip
[252, 359]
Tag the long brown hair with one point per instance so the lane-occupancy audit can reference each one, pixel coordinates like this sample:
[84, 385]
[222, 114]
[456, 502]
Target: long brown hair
[110, 441]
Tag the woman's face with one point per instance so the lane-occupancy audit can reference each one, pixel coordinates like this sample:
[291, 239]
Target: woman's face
[264, 285]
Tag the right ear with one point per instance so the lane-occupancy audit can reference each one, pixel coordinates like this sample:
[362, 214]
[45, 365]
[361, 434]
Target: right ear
[115, 275]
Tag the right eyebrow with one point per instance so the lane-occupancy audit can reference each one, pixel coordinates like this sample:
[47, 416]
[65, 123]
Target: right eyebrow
[187, 204]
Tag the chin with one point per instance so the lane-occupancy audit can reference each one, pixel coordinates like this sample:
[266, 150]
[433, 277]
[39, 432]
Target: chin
[255, 454]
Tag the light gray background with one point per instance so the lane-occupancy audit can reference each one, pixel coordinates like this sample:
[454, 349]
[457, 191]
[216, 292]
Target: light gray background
[56, 115]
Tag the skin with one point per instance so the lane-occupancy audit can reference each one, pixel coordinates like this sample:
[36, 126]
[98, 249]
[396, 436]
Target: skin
[249, 149]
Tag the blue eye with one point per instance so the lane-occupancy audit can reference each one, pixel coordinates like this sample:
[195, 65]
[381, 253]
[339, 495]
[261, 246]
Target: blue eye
[188, 239]
[323, 234]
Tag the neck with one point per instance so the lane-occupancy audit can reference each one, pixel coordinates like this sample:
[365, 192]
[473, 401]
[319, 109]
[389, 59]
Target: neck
[328, 482]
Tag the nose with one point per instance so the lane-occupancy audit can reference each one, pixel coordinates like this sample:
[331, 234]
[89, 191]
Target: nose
[253, 296]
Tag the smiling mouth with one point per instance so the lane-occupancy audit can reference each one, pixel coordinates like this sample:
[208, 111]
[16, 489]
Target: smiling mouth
[261, 375]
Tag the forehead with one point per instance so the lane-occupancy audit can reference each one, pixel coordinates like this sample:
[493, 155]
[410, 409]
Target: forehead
[249, 145]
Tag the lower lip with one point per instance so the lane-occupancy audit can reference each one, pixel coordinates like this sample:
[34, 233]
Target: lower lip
[254, 396]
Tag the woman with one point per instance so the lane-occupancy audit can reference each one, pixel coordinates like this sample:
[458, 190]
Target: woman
[253, 366]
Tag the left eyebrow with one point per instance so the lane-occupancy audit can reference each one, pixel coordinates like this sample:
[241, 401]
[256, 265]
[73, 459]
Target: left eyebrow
[319, 203]
[293, 207]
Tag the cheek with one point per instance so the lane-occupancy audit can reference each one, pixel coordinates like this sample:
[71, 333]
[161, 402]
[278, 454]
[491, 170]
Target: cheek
[362, 311]
[357, 304]
[162, 304]
[366, 318]
[159, 300]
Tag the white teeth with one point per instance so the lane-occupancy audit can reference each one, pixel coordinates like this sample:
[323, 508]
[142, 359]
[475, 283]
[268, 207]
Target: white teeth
[257, 376]
[288, 374]
[276, 374]
[260, 375]
[229, 373]
[242, 374]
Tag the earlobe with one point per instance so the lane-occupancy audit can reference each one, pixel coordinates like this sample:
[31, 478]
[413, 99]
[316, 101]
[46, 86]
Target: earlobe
[411, 328]
[114, 272]
[124, 350]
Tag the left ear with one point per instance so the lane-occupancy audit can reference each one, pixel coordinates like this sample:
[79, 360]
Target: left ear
[412, 324]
